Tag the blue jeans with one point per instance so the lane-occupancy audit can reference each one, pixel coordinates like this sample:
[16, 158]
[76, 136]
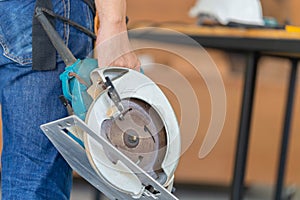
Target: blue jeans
[31, 166]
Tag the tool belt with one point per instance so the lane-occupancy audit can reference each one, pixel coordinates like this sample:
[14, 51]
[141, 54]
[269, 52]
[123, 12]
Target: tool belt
[43, 52]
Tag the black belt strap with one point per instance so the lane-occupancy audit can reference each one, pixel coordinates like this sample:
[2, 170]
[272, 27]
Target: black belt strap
[43, 52]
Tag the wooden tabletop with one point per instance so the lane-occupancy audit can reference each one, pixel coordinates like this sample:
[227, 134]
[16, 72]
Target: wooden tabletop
[232, 38]
[190, 29]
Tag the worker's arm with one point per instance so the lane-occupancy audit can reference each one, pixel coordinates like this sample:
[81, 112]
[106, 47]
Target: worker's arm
[113, 47]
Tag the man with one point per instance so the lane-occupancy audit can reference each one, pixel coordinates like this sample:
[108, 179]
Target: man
[31, 166]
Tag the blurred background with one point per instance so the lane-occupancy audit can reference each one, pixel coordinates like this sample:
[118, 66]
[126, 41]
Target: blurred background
[268, 106]
[204, 178]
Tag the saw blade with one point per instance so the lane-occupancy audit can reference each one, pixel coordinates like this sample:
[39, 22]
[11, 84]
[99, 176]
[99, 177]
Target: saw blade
[140, 135]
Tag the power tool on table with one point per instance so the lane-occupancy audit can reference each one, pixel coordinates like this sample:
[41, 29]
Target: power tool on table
[122, 135]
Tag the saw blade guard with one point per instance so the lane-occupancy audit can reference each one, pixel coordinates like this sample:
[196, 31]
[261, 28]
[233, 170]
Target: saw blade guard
[145, 129]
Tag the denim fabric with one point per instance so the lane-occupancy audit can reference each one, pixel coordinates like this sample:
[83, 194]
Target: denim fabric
[31, 167]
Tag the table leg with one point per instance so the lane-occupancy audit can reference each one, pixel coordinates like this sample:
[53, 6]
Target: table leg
[286, 130]
[244, 129]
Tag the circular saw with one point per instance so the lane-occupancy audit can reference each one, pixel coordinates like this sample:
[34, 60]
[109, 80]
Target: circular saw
[131, 113]
[122, 135]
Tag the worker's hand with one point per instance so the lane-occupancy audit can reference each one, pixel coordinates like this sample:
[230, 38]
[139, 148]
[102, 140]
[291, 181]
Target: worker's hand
[113, 48]
[112, 44]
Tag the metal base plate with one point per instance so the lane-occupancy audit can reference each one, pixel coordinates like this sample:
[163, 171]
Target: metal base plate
[75, 155]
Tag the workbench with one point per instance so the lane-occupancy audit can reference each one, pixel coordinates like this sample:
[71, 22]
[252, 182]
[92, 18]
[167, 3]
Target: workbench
[254, 43]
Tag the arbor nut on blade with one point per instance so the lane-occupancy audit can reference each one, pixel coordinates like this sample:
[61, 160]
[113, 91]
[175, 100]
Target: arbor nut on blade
[131, 138]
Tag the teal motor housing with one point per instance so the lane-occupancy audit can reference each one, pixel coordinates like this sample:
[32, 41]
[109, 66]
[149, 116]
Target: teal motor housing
[75, 82]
